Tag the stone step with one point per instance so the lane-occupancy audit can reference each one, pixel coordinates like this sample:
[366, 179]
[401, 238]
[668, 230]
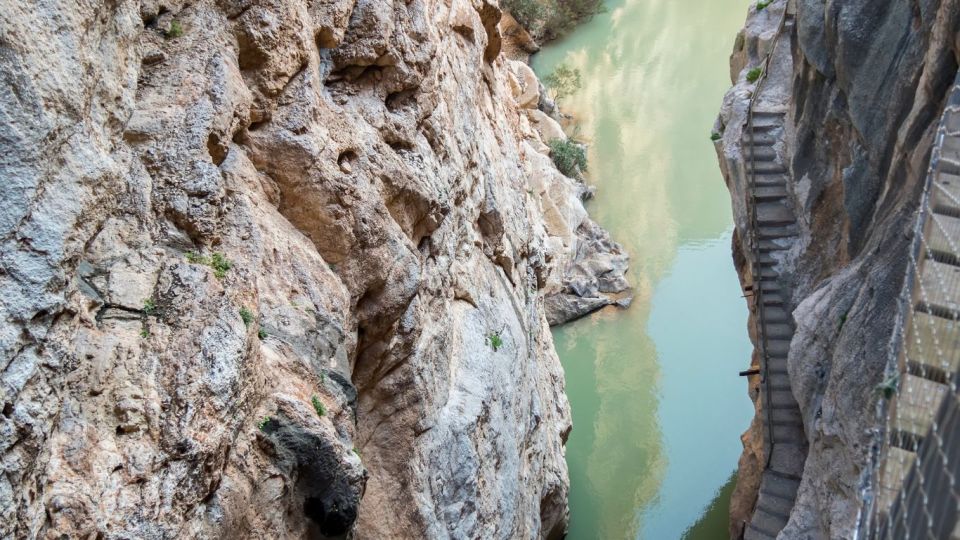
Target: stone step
[788, 460]
[786, 415]
[777, 233]
[779, 484]
[782, 398]
[771, 299]
[791, 434]
[768, 167]
[767, 260]
[781, 331]
[777, 367]
[761, 180]
[752, 533]
[768, 522]
[770, 245]
[775, 315]
[770, 193]
[775, 503]
[766, 273]
[759, 139]
[774, 213]
[777, 347]
[760, 153]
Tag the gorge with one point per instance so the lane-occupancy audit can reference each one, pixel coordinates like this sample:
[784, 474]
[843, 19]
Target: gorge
[311, 269]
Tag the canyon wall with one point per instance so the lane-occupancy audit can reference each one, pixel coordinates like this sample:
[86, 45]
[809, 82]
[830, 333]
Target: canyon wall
[863, 96]
[278, 268]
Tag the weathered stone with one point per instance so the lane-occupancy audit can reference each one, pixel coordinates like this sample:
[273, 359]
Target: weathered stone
[239, 258]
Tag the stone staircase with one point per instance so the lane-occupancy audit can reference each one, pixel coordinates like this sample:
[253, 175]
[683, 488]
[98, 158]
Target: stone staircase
[775, 230]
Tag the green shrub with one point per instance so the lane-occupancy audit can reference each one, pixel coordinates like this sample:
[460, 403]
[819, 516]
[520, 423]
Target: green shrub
[261, 333]
[220, 265]
[263, 422]
[175, 31]
[761, 4]
[246, 315]
[218, 261]
[149, 307]
[715, 136]
[145, 333]
[550, 19]
[318, 406]
[564, 81]
[754, 74]
[495, 341]
[568, 156]
[529, 13]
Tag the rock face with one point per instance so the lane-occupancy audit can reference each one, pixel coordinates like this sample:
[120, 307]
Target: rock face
[277, 268]
[866, 89]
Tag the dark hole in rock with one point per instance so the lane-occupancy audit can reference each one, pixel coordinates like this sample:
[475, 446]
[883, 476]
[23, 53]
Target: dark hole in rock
[332, 519]
[325, 38]
[346, 159]
[7, 409]
[120, 430]
[400, 145]
[254, 126]
[218, 150]
[397, 100]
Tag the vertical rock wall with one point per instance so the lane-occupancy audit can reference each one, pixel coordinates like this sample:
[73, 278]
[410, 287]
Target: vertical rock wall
[868, 84]
[277, 268]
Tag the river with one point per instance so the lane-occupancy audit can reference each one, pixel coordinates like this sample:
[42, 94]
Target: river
[657, 404]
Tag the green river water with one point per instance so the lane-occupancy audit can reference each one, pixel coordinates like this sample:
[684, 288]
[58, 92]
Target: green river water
[657, 404]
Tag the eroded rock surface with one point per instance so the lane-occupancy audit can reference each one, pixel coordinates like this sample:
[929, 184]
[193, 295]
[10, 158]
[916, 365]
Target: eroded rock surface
[867, 87]
[277, 268]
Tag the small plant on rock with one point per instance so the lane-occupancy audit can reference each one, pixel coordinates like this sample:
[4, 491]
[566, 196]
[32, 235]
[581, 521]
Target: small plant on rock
[564, 81]
[218, 261]
[568, 156]
[318, 406]
[145, 333]
[715, 136]
[262, 424]
[175, 31]
[761, 4]
[220, 265]
[888, 388]
[754, 74]
[262, 334]
[495, 341]
[149, 307]
[246, 315]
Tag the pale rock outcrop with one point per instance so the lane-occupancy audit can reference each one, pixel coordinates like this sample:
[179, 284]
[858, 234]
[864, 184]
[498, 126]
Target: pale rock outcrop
[863, 96]
[255, 254]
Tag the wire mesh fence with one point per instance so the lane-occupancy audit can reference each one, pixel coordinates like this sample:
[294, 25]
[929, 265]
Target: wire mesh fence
[916, 493]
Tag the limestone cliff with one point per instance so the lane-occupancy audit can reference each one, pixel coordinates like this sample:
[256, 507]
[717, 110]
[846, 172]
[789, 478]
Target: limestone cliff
[277, 268]
[863, 89]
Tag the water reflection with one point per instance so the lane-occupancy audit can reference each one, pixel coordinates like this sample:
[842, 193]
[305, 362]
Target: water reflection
[657, 406]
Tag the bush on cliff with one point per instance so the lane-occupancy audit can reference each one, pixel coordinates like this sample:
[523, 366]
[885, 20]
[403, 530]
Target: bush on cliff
[569, 156]
[550, 19]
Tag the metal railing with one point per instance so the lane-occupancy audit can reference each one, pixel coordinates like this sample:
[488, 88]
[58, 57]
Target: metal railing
[912, 487]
